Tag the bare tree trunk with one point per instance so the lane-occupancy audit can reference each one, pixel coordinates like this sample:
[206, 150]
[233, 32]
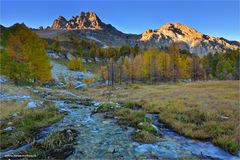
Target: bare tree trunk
[132, 76]
[108, 77]
[112, 73]
[120, 76]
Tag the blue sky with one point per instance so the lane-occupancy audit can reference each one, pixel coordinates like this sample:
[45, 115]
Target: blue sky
[217, 18]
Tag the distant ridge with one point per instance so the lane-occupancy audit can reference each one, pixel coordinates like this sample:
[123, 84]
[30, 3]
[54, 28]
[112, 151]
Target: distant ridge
[88, 25]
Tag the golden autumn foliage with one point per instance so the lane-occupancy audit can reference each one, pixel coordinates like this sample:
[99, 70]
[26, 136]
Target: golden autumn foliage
[76, 64]
[23, 57]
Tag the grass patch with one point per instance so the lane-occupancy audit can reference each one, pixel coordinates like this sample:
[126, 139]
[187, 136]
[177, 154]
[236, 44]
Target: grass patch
[144, 137]
[105, 107]
[92, 67]
[130, 116]
[27, 123]
[59, 145]
[8, 108]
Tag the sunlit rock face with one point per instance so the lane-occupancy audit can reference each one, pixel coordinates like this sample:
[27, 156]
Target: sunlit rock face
[86, 20]
[188, 38]
[59, 23]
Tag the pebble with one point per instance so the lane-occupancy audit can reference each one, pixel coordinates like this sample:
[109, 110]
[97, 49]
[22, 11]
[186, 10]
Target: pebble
[105, 122]
[14, 114]
[9, 129]
[111, 149]
[10, 123]
[35, 91]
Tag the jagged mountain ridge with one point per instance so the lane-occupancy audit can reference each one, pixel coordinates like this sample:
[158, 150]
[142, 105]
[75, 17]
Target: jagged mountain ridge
[85, 21]
[188, 38]
[88, 25]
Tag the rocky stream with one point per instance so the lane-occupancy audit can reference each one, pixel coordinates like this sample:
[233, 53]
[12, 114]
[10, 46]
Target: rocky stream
[100, 138]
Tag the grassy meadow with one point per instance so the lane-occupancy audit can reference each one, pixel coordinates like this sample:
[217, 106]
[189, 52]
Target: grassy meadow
[24, 122]
[201, 110]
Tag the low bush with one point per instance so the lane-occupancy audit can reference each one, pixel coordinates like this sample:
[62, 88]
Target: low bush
[88, 81]
[76, 64]
[144, 137]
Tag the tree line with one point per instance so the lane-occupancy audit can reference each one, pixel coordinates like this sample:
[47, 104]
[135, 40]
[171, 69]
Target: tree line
[155, 65]
[24, 59]
[129, 64]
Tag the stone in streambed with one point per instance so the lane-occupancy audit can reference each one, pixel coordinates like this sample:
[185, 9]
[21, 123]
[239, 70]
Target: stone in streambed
[32, 104]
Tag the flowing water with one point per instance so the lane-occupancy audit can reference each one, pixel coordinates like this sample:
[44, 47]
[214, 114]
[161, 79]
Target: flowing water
[101, 138]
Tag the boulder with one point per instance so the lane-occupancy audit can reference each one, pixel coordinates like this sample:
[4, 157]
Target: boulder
[69, 56]
[3, 79]
[32, 104]
[79, 84]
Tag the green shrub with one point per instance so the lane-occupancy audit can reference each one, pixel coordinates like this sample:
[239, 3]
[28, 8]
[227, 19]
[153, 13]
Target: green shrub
[105, 107]
[147, 126]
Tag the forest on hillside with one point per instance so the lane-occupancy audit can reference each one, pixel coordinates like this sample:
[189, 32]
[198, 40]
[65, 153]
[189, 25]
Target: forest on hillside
[24, 58]
[133, 64]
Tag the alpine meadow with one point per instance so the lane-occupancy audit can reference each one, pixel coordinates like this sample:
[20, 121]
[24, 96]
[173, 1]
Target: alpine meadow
[76, 87]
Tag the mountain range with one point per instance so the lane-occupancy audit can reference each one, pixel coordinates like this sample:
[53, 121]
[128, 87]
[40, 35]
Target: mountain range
[88, 25]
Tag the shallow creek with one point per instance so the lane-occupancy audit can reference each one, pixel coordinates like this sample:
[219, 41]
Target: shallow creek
[101, 138]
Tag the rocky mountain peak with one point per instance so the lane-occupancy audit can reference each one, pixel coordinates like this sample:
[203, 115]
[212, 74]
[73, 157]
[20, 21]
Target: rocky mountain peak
[89, 20]
[180, 30]
[59, 23]
[188, 38]
[86, 20]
